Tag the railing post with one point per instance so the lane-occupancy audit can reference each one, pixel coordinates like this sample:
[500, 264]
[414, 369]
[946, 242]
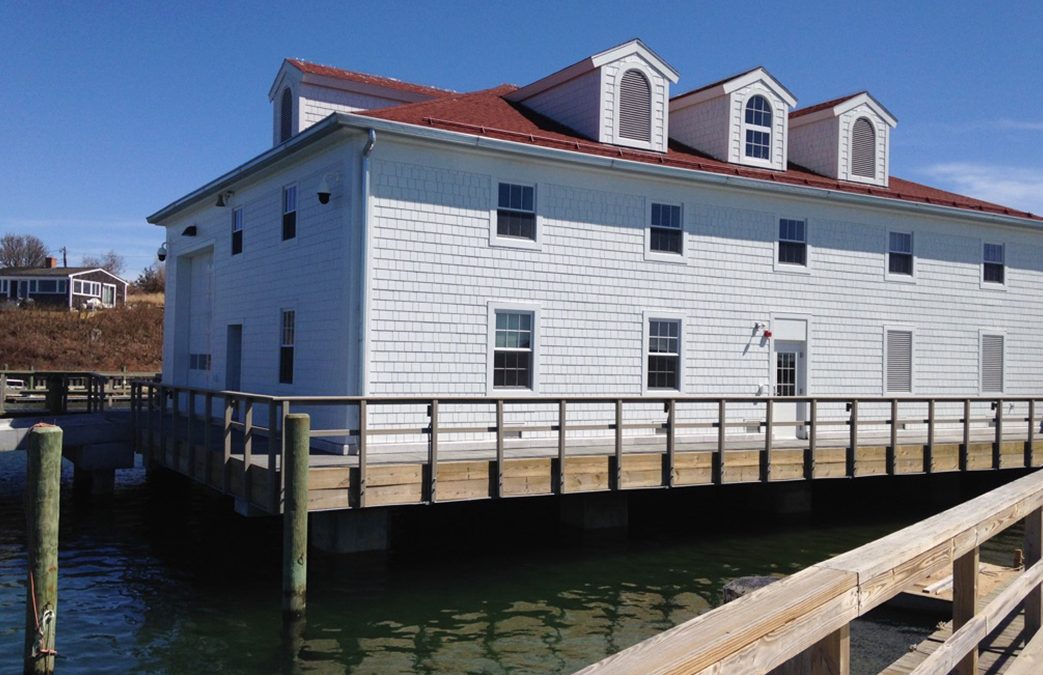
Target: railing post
[499, 448]
[363, 442]
[432, 486]
[964, 602]
[274, 447]
[208, 470]
[149, 445]
[226, 453]
[965, 448]
[809, 452]
[175, 414]
[248, 448]
[928, 455]
[717, 461]
[189, 434]
[1030, 451]
[1033, 546]
[853, 447]
[765, 454]
[832, 654]
[892, 447]
[619, 444]
[997, 448]
[561, 447]
[3, 392]
[671, 411]
[284, 412]
[161, 392]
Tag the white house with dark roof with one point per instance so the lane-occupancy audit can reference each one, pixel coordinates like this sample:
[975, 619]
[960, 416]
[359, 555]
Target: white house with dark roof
[592, 234]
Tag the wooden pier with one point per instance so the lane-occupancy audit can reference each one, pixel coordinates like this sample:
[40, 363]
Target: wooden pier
[232, 442]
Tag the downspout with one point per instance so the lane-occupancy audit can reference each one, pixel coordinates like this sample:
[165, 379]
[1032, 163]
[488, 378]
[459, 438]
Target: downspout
[367, 150]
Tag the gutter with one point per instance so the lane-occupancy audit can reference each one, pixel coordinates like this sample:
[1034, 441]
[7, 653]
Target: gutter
[364, 238]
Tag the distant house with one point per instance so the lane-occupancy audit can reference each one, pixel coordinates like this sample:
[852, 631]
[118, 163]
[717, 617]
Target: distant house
[70, 287]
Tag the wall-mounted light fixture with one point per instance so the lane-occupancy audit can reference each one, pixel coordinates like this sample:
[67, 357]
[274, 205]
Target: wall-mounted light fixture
[189, 231]
[162, 252]
[224, 198]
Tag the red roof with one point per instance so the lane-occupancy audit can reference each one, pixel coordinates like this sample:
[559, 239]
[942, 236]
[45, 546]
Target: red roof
[389, 82]
[825, 104]
[488, 113]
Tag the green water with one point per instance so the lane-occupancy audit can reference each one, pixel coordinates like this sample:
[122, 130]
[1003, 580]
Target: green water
[167, 579]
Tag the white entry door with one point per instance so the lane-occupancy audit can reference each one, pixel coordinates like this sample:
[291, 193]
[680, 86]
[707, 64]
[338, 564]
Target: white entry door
[790, 363]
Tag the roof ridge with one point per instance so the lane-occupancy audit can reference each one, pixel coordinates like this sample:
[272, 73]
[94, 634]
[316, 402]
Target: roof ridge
[356, 75]
[815, 107]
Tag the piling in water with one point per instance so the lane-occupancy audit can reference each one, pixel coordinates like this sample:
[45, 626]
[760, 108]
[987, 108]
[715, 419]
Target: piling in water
[43, 485]
[295, 517]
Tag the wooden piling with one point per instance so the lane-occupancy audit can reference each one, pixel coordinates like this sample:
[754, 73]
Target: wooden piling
[43, 485]
[295, 517]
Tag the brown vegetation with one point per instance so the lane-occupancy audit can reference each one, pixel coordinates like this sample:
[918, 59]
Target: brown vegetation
[102, 340]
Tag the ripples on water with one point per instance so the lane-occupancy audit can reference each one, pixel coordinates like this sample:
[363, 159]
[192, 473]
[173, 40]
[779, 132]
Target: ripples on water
[169, 580]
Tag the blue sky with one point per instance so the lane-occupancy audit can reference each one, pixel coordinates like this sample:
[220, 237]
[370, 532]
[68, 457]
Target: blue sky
[112, 110]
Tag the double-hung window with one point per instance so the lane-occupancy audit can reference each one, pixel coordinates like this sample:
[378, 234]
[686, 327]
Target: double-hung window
[667, 235]
[793, 242]
[516, 211]
[664, 354]
[513, 350]
[237, 231]
[900, 253]
[993, 264]
[287, 337]
[758, 128]
[289, 212]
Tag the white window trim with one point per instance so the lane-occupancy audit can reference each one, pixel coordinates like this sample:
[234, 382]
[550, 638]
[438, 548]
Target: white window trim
[790, 268]
[494, 306]
[115, 295]
[296, 210]
[992, 285]
[880, 146]
[653, 106]
[744, 126]
[900, 278]
[495, 240]
[981, 335]
[905, 328]
[666, 315]
[661, 256]
[285, 386]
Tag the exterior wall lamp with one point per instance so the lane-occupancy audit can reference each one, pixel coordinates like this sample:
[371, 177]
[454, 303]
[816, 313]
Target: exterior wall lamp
[225, 197]
[162, 252]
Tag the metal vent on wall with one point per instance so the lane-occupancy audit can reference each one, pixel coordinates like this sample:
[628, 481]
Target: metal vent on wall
[992, 363]
[863, 149]
[635, 107]
[899, 361]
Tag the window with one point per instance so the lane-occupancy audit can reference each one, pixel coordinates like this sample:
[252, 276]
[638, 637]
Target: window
[286, 342]
[993, 264]
[635, 107]
[199, 362]
[47, 286]
[513, 350]
[900, 253]
[667, 235]
[863, 149]
[793, 246]
[516, 211]
[664, 353]
[3, 286]
[991, 363]
[758, 128]
[237, 231]
[286, 115]
[899, 357]
[108, 295]
[289, 212]
[86, 287]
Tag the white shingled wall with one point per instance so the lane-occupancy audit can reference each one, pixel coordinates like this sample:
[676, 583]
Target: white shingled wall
[704, 126]
[845, 122]
[610, 76]
[815, 146]
[574, 103]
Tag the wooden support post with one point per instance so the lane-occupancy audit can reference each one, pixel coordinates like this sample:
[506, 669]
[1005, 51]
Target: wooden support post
[853, 443]
[964, 602]
[561, 447]
[208, 472]
[892, 447]
[965, 447]
[284, 411]
[619, 444]
[1030, 450]
[175, 413]
[295, 517]
[432, 486]
[3, 392]
[997, 447]
[274, 443]
[43, 486]
[248, 448]
[671, 438]
[363, 442]
[765, 454]
[161, 425]
[928, 451]
[832, 654]
[809, 452]
[717, 461]
[190, 442]
[499, 447]
[226, 451]
[1033, 552]
[149, 444]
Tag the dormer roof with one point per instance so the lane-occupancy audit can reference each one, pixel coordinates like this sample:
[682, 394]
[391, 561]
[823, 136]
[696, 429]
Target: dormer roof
[349, 76]
[840, 105]
[732, 83]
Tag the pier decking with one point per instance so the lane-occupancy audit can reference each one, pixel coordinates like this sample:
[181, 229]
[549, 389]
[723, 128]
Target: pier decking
[238, 454]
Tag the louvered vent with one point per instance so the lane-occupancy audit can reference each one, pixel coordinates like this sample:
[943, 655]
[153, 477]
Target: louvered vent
[286, 116]
[899, 361]
[992, 363]
[863, 149]
[635, 107]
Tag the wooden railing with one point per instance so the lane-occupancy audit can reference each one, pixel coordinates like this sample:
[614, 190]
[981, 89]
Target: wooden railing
[52, 391]
[806, 616]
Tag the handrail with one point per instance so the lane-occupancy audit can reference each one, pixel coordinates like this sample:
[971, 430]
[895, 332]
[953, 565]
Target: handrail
[813, 608]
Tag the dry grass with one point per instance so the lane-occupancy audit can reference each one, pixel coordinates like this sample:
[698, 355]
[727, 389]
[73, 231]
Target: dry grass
[103, 340]
[146, 299]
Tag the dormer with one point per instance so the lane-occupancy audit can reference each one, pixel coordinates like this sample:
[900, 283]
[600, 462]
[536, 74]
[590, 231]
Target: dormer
[847, 138]
[304, 93]
[742, 119]
[619, 96]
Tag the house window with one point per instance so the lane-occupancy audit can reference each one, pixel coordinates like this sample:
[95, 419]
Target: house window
[993, 264]
[237, 231]
[664, 353]
[289, 212]
[635, 107]
[286, 115]
[513, 350]
[47, 286]
[758, 128]
[991, 364]
[199, 362]
[793, 243]
[108, 295]
[286, 341]
[3, 286]
[900, 253]
[666, 235]
[86, 287]
[863, 148]
[899, 371]
[516, 211]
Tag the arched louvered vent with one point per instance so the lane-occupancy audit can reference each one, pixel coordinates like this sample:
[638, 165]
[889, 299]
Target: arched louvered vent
[286, 115]
[863, 149]
[635, 107]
